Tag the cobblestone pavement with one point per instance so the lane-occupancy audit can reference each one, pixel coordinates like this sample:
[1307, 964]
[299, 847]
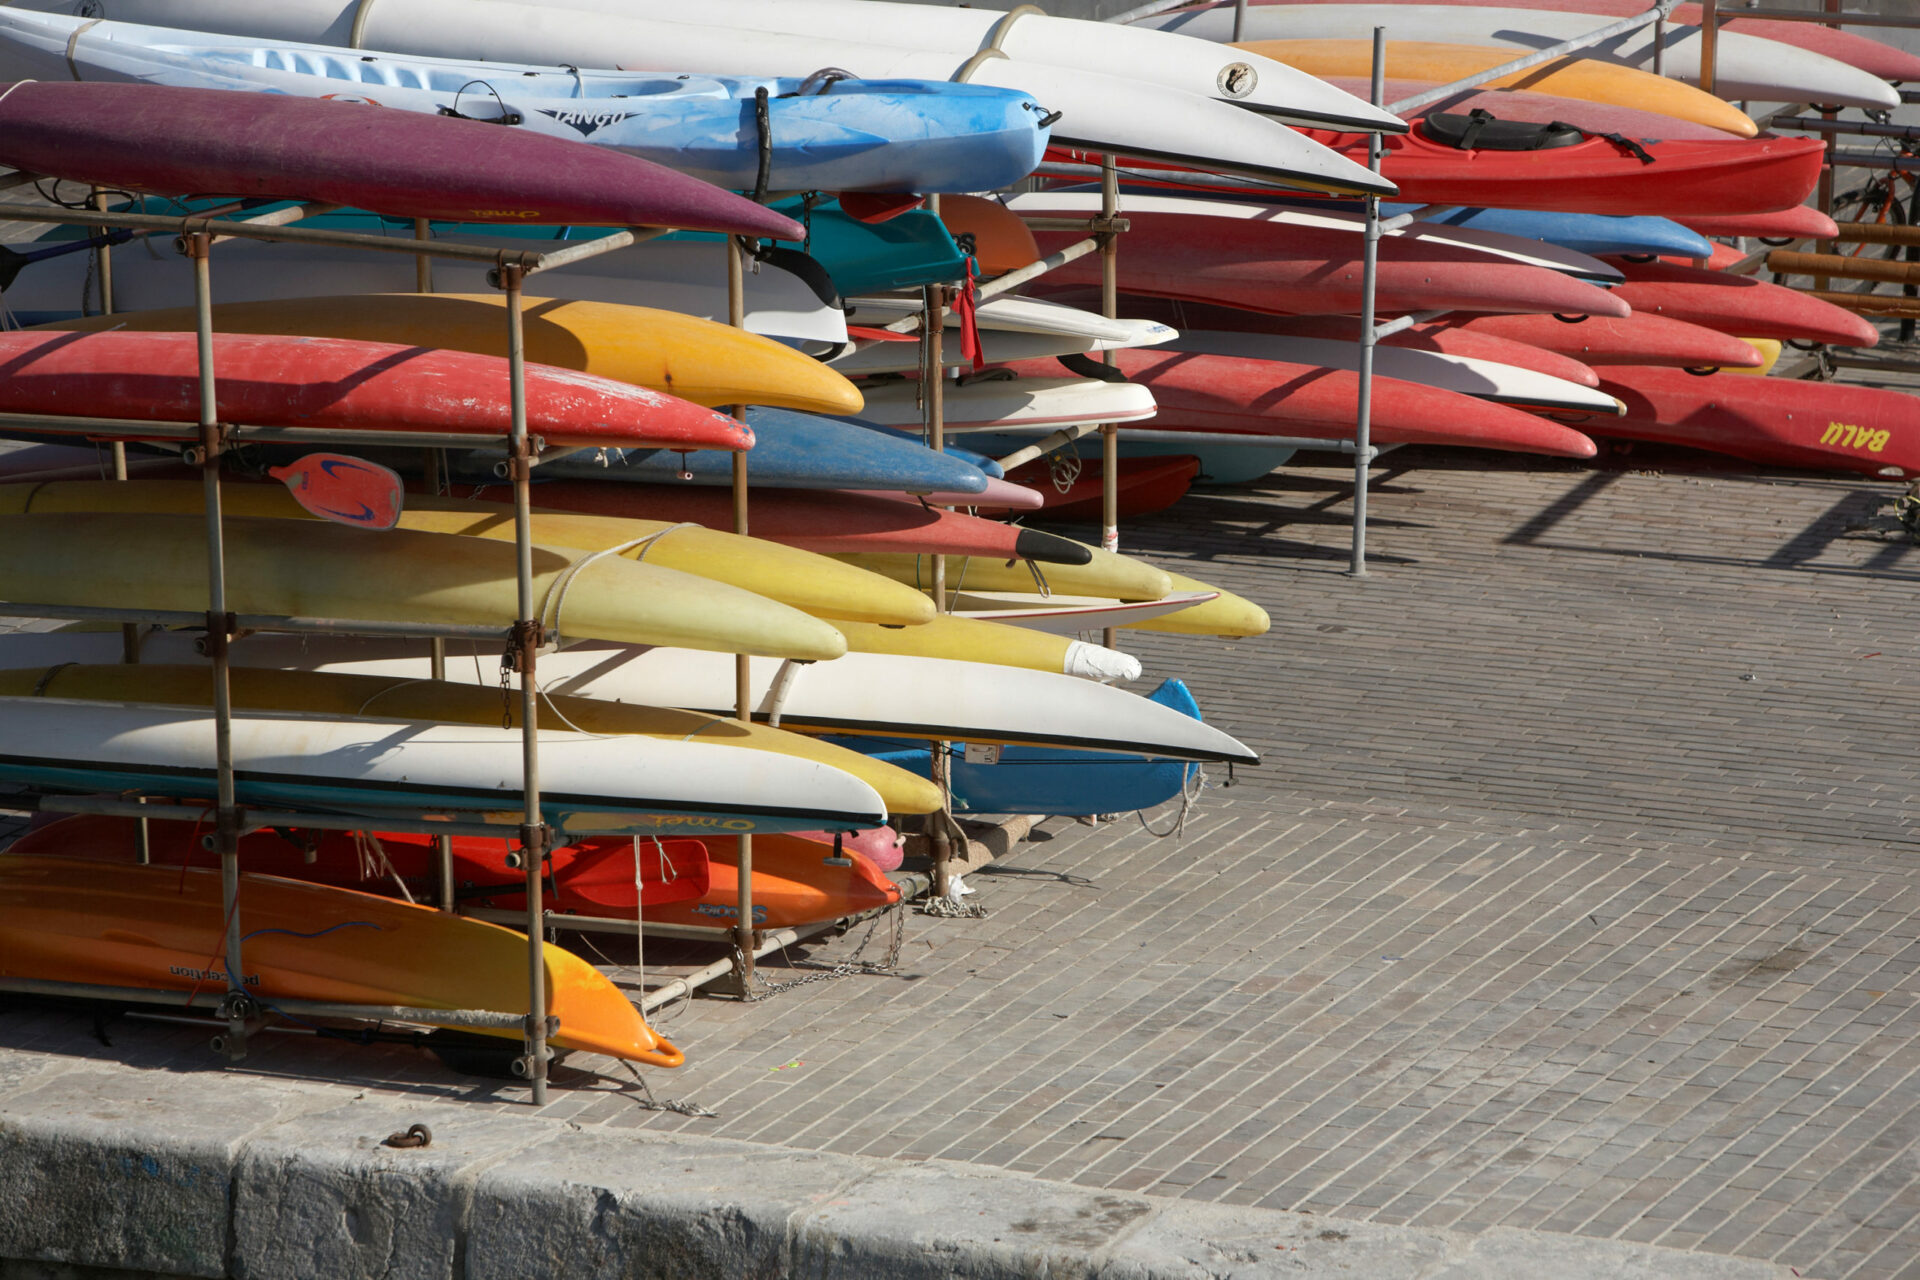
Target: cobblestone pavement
[1575, 894]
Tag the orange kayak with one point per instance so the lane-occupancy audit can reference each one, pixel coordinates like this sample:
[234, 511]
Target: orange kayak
[793, 884]
[71, 919]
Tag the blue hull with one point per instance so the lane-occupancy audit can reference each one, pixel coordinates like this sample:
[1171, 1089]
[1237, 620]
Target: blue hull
[1056, 783]
[1591, 233]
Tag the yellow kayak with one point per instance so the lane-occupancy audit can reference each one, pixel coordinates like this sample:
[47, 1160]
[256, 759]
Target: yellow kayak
[1769, 349]
[1584, 78]
[996, 643]
[811, 583]
[1207, 611]
[1227, 615]
[695, 359]
[442, 702]
[318, 569]
[1108, 574]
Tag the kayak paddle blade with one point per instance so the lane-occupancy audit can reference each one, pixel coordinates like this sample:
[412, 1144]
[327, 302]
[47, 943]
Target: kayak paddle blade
[345, 490]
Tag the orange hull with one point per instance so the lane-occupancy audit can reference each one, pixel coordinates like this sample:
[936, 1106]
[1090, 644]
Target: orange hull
[160, 928]
[793, 885]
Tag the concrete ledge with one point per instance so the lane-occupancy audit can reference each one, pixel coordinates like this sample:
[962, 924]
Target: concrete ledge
[230, 1177]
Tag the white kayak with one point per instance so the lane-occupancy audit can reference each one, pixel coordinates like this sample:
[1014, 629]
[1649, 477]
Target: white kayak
[685, 276]
[1012, 404]
[835, 135]
[1099, 112]
[591, 784]
[996, 346]
[1745, 67]
[1016, 314]
[864, 693]
[1070, 615]
[1495, 245]
[1028, 35]
[1467, 375]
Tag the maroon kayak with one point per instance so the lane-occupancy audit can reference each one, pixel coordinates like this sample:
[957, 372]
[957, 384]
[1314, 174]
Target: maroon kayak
[1776, 421]
[1277, 398]
[176, 141]
[1142, 486]
[829, 522]
[1743, 306]
[1641, 338]
[1288, 268]
[339, 384]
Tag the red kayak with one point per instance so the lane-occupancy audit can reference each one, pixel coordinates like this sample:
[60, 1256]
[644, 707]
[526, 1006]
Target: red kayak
[1641, 338]
[1286, 268]
[593, 877]
[1272, 397]
[339, 384]
[1597, 174]
[1445, 339]
[1538, 108]
[1800, 222]
[175, 141]
[1871, 56]
[814, 520]
[796, 881]
[1142, 486]
[1775, 421]
[1743, 306]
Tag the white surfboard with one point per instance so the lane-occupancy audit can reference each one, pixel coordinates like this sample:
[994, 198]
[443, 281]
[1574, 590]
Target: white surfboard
[1496, 245]
[1099, 112]
[884, 694]
[1745, 67]
[1017, 404]
[1482, 379]
[592, 784]
[997, 346]
[1018, 314]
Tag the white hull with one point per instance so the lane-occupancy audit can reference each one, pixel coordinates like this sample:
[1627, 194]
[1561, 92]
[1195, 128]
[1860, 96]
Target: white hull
[1018, 405]
[1016, 314]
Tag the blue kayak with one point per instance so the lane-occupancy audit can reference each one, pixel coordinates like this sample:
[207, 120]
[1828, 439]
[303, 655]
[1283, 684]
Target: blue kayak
[791, 450]
[828, 131]
[988, 467]
[1055, 783]
[1597, 234]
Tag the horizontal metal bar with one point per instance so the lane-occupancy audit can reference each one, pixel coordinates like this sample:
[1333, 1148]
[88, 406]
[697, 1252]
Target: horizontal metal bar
[1034, 270]
[281, 217]
[259, 621]
[1877, 233]
[1407, 321]
[605, 924]
[146, 429]
[477, 1018]
[1849, 159]
[584, 249]
[1177, 177]
[1843, 267]
[1047, 444]
[1855, 128]
[1881, 306]
[1841, 361]
[1849, 18]
[255, 819]
[1089, 225]
[1421, 214]
[1656, 13]
[19, 179]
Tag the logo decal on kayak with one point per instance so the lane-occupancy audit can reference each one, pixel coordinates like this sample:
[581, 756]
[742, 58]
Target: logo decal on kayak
[587, 121]
[1237, 79]
[494, 215]
[719, 911]
[1848, 436]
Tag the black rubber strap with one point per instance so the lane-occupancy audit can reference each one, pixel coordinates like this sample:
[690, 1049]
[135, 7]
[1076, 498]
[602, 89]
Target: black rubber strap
[763, 119]
[1628, 145]
[1087, 367]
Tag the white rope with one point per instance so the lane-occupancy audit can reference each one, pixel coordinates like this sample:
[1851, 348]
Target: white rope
[553, 602]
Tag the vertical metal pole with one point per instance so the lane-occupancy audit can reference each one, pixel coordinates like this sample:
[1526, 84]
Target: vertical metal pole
[226, 828]
[1110, 308]
[422, 263]
[742, 665]
[1239, 18]
[1709, 43]
[1363, 419]
[533, 835]
[933, 384]
[1825, 190]
[436, 647]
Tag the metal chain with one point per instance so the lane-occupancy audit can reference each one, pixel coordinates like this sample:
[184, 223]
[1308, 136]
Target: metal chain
[831, 969]
[649, 1103]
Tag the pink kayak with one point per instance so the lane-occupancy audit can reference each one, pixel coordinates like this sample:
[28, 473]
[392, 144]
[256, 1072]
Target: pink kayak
[176, 141]
[1641, 338]
[1272, 397]
[340, 384]
[1775, 421]
[1800, 222]
[1740, 305]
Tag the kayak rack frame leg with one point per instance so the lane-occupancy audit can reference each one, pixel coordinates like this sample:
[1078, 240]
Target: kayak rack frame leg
[933, 386]
[1369, 334]
[743, 948]
[1110, 308]
[535, 838]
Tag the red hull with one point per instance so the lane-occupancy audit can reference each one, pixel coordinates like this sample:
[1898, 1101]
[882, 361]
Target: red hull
[208, 142]
[339, 384]
[1770, 420]
[814, 521]
[1441, 338]
[1144, 486]
[1800, 221]
[793, 885]
[1539, 108]
[1295, 270]
[593, 877]
[1740, 305]
[1271, 397]
[1641, 338]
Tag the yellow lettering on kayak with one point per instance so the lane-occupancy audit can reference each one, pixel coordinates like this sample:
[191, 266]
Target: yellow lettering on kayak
[489, 214]
[1849, 436]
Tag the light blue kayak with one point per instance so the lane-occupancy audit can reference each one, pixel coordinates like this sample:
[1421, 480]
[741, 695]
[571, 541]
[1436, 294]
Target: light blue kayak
[791, 450]
[1597, 234]
[1055, 783]
[826, 132]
